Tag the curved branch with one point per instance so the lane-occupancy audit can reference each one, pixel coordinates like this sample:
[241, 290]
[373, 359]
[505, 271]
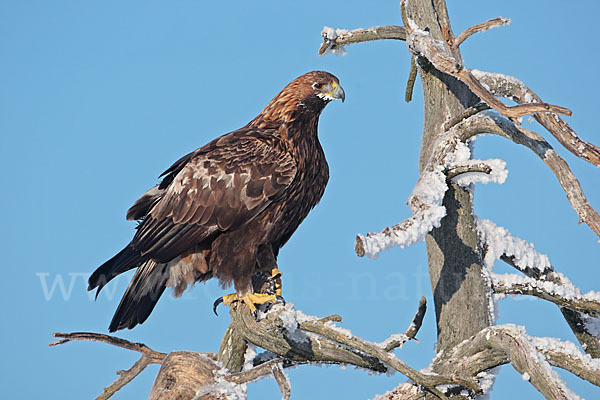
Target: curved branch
[492, 123]
[428, 381]
[422, 44]
[332, 345]
[396, 341]
[490, 24]
[482, 168]
[576, 366]
[153, 356]
[553, 292]
[270, 335]
[335, 39]
[514, 89]
[496, 345]
[148, 357]
[501, 245]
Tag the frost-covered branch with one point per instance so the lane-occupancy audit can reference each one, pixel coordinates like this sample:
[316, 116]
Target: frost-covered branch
[560, 294]
[542, 280]
[297, 337]
[445, 57]
[566, 355]
[450, 153]
[465, 169]
[334, 40]
[586, 328]
[511, 344]
[490, 122]
[515, 90]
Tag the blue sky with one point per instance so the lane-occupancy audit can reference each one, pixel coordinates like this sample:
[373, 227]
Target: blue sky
[98, 98]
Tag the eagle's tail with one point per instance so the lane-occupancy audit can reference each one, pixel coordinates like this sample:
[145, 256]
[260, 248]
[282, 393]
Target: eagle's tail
[146, 287]
[125, 260]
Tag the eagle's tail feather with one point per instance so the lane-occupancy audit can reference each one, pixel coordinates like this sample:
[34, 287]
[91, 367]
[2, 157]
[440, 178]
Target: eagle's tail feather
[125, 260]
[146, 287]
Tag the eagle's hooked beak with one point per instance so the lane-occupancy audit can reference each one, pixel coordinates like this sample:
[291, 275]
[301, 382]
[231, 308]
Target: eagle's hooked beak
[337, 92]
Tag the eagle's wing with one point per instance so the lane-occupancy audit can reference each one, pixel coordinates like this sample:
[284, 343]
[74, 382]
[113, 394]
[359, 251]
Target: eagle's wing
[219, 187]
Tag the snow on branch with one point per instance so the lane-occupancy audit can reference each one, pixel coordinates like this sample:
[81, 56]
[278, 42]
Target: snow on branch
[515, 90]
[490, 122]
[444, 57]
[451, 158]
[531, 357]
[566, 355]
[397, 340]
[289, 337]
[324, 342]
[334, 40]
[499, 242]
[542, 281]
[563, 294]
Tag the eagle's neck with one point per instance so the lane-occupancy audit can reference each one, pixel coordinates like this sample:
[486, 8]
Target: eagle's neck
[288, 109]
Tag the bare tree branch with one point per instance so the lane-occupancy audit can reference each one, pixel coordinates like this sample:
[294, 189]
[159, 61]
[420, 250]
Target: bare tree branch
[412, 77]
[490, 24]
[153, 356]
[422, 44]
[336, 39]
[514, 89]
[577, 320]
[466, 114]
[491, 123]
[500, 244]
[574, 365]
[148, 357]
[463, 169]
[510, 344]
[282, 381]
[585, 328]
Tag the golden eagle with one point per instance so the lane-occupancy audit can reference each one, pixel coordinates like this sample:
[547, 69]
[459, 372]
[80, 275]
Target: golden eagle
[226, 209]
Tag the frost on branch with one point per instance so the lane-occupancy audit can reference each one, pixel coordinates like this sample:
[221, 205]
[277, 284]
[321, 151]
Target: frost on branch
[330, 37]
[563, 293]
[427, 212]
[499, 242]
[427, 196]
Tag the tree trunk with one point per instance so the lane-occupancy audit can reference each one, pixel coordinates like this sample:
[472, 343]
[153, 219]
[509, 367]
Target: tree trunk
[455, 258]
[182, 374]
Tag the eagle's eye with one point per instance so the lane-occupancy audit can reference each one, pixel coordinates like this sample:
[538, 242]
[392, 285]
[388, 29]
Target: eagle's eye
[317, 85]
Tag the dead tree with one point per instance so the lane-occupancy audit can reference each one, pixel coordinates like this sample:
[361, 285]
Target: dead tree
[459, 104]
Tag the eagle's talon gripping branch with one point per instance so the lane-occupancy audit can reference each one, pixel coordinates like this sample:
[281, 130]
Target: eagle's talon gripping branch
[270, 287]
[251, 300]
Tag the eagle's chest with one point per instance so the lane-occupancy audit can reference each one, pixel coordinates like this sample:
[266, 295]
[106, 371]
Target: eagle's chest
[305, 193]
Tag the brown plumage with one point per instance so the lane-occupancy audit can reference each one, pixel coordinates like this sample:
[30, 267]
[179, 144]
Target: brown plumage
[226, 209]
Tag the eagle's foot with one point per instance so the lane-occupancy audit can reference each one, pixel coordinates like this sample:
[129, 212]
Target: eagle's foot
[276, 277]
[251, 300]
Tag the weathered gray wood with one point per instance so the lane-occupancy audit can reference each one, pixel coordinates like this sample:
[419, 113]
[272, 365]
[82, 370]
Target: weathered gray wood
[455, 259]
[181, 375]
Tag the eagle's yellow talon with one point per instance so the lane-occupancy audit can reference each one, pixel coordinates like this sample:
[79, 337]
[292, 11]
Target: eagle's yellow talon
[250, 300]
[230, 298]
[276, 275]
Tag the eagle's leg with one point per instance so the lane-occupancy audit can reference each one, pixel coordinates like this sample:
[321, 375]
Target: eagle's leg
[276, 277]
[266, 287]
[267, 278]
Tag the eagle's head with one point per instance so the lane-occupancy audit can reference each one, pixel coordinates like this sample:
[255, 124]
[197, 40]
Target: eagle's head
[317, 87]
[308, 93]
